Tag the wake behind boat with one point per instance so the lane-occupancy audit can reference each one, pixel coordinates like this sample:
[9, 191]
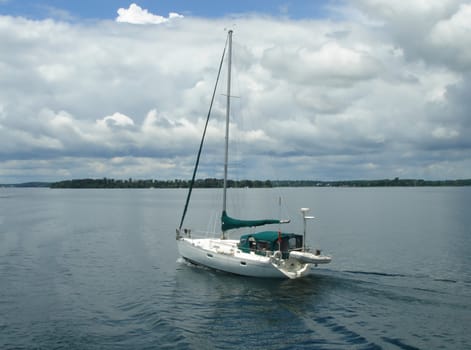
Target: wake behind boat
[269, 253]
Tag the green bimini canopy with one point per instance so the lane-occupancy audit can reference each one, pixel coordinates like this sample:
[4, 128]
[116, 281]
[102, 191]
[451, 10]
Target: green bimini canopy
[270, 241]
[228, 223]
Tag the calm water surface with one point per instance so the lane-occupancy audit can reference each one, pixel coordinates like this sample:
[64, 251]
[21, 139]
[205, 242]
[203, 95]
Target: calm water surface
[99, 269]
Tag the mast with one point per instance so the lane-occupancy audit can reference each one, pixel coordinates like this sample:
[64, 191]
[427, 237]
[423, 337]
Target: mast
[228, 109]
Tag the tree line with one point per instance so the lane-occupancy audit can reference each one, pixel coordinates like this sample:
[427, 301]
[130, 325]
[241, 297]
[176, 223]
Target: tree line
[131, 183]
[218, 183]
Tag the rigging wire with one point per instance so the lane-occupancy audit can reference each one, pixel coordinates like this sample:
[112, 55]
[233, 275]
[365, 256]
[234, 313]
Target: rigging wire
[202, 138]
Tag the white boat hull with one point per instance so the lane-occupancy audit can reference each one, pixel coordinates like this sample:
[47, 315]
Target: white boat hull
[224, 255]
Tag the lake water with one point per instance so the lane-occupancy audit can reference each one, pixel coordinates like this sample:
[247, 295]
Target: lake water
[99, 269]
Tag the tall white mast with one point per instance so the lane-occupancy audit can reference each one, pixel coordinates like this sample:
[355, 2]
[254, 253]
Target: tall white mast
[228, 108]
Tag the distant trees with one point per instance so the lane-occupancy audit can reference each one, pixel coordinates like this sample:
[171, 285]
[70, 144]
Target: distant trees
[130, 183]
[372, 183]
[217, 183]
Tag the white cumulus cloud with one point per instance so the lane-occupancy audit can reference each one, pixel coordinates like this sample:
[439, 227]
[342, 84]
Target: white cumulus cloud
[137, 15]
[117, 119]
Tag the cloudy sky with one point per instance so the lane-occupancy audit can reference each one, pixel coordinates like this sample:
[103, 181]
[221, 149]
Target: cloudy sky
[323, 90]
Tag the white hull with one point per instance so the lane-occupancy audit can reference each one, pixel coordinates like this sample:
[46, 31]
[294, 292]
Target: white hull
[224, 255]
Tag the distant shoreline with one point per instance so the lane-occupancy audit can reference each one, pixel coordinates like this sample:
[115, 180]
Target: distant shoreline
[217, 183]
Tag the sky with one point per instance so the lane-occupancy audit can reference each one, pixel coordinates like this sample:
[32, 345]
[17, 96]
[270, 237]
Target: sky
[322, 90]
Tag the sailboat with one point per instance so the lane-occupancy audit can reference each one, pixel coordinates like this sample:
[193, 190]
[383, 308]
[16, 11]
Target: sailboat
[267, 253]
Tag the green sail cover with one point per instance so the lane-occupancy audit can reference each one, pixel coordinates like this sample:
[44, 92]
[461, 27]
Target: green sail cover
[228, 223]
